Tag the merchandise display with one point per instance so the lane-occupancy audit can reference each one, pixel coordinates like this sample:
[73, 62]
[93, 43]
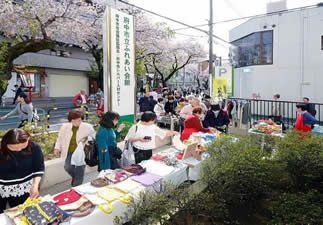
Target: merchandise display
[157, 168]
[146, 179]
[266, 127]
[106, 196]
[135, 169]
[67, 198]
[317, 129]
[44, 213]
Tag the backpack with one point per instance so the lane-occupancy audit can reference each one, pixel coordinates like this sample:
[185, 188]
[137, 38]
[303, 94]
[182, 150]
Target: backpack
[91, 153]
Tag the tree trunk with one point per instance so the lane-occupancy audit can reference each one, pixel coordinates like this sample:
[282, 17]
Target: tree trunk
[17, 50]
[164, 83]
[98, 54]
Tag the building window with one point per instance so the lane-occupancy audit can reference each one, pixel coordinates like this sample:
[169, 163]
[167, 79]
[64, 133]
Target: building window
[254, 49]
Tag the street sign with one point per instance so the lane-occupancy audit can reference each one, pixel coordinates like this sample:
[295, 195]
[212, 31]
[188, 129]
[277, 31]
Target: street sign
[223, 77]
[119, 63]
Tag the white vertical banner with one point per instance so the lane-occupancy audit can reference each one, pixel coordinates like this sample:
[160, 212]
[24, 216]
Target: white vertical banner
[119, 58]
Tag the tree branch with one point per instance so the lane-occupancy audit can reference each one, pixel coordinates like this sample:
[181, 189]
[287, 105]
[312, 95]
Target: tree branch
[178, 68]
[156, 68]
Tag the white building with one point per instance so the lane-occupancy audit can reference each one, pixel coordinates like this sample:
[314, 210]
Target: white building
[280, 53]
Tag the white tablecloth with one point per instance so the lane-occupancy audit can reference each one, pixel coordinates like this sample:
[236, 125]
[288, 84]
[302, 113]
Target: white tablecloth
[97, 217]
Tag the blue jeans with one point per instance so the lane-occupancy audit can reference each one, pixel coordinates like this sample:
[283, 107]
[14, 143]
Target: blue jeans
[76, 172]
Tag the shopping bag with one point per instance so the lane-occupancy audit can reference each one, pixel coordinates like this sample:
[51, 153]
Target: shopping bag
[78, 157]
[128, 155]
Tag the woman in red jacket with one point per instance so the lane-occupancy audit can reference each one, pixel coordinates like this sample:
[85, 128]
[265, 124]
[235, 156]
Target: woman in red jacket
[193, 124]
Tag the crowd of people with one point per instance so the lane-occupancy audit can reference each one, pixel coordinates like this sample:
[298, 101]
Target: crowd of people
[22, 161]
[176, 104]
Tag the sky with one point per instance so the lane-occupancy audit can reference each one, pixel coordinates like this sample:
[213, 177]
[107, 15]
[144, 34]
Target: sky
[196, 12]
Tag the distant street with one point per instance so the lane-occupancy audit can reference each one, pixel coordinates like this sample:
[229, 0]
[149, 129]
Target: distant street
[57, 117]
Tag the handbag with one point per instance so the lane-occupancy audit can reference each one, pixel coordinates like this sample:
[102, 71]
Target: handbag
[110, 194]
[114, 155]
[44, 213]
[67, 198]
[91, 153]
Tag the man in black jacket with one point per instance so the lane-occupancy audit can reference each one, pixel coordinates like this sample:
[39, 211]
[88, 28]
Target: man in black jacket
[217, 118]
[310, 107]
[152, 103]
[144, 103]
[170, 106]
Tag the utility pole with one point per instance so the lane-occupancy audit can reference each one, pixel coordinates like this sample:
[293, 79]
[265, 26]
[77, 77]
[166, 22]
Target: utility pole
[211, 48]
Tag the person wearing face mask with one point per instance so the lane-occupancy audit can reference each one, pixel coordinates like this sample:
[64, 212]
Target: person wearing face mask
[143, 135]
[21, 168]
[193, 124]
[217, 118]
[106, 140]
[69, 136]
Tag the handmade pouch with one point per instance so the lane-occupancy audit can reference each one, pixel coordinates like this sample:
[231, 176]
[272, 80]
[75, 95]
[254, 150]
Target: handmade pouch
[129, 186]
[100, 182]
[146, 179]
[67, 197]
[117, 176]
[111, 194]
[84, 210]
[75, 205]
[135, 169]
[44, 213]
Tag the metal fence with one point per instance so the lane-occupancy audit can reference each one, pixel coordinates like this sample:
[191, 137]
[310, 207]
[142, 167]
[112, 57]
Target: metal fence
[259, 109]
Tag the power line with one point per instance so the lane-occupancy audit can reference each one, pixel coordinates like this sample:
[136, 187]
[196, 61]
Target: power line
[175, 21]
[254, 16]
[189, 35]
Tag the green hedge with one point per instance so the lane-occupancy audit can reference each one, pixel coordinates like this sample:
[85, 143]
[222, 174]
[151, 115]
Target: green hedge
[255, 181]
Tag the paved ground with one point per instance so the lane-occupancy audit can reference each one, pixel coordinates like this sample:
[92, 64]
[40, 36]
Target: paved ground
[58, 117]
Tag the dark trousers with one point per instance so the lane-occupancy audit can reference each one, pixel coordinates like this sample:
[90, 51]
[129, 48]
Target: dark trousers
[141, 155]
[22, 123]
[13, 201]
[76, 172]
[15, 99]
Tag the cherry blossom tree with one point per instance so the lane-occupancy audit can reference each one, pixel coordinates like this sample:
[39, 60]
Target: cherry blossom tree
[34, 25]
[169, 56]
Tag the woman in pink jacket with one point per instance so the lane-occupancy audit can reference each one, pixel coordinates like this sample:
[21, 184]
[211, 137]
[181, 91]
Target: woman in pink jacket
[69, 136]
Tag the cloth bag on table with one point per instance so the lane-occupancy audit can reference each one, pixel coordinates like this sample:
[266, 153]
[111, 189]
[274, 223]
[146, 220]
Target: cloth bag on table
[43, 213]
[67, 197]
[78, 157]
[150, 181]
[110, 194]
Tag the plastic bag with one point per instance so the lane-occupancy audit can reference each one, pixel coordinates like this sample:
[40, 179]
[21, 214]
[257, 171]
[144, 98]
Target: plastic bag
[78, 157]
[128, 155]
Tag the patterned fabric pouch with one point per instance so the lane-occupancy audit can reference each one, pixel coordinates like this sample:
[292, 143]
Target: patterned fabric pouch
[45, 213]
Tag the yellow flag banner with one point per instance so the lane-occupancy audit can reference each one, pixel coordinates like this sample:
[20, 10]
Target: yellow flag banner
[220, 88]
